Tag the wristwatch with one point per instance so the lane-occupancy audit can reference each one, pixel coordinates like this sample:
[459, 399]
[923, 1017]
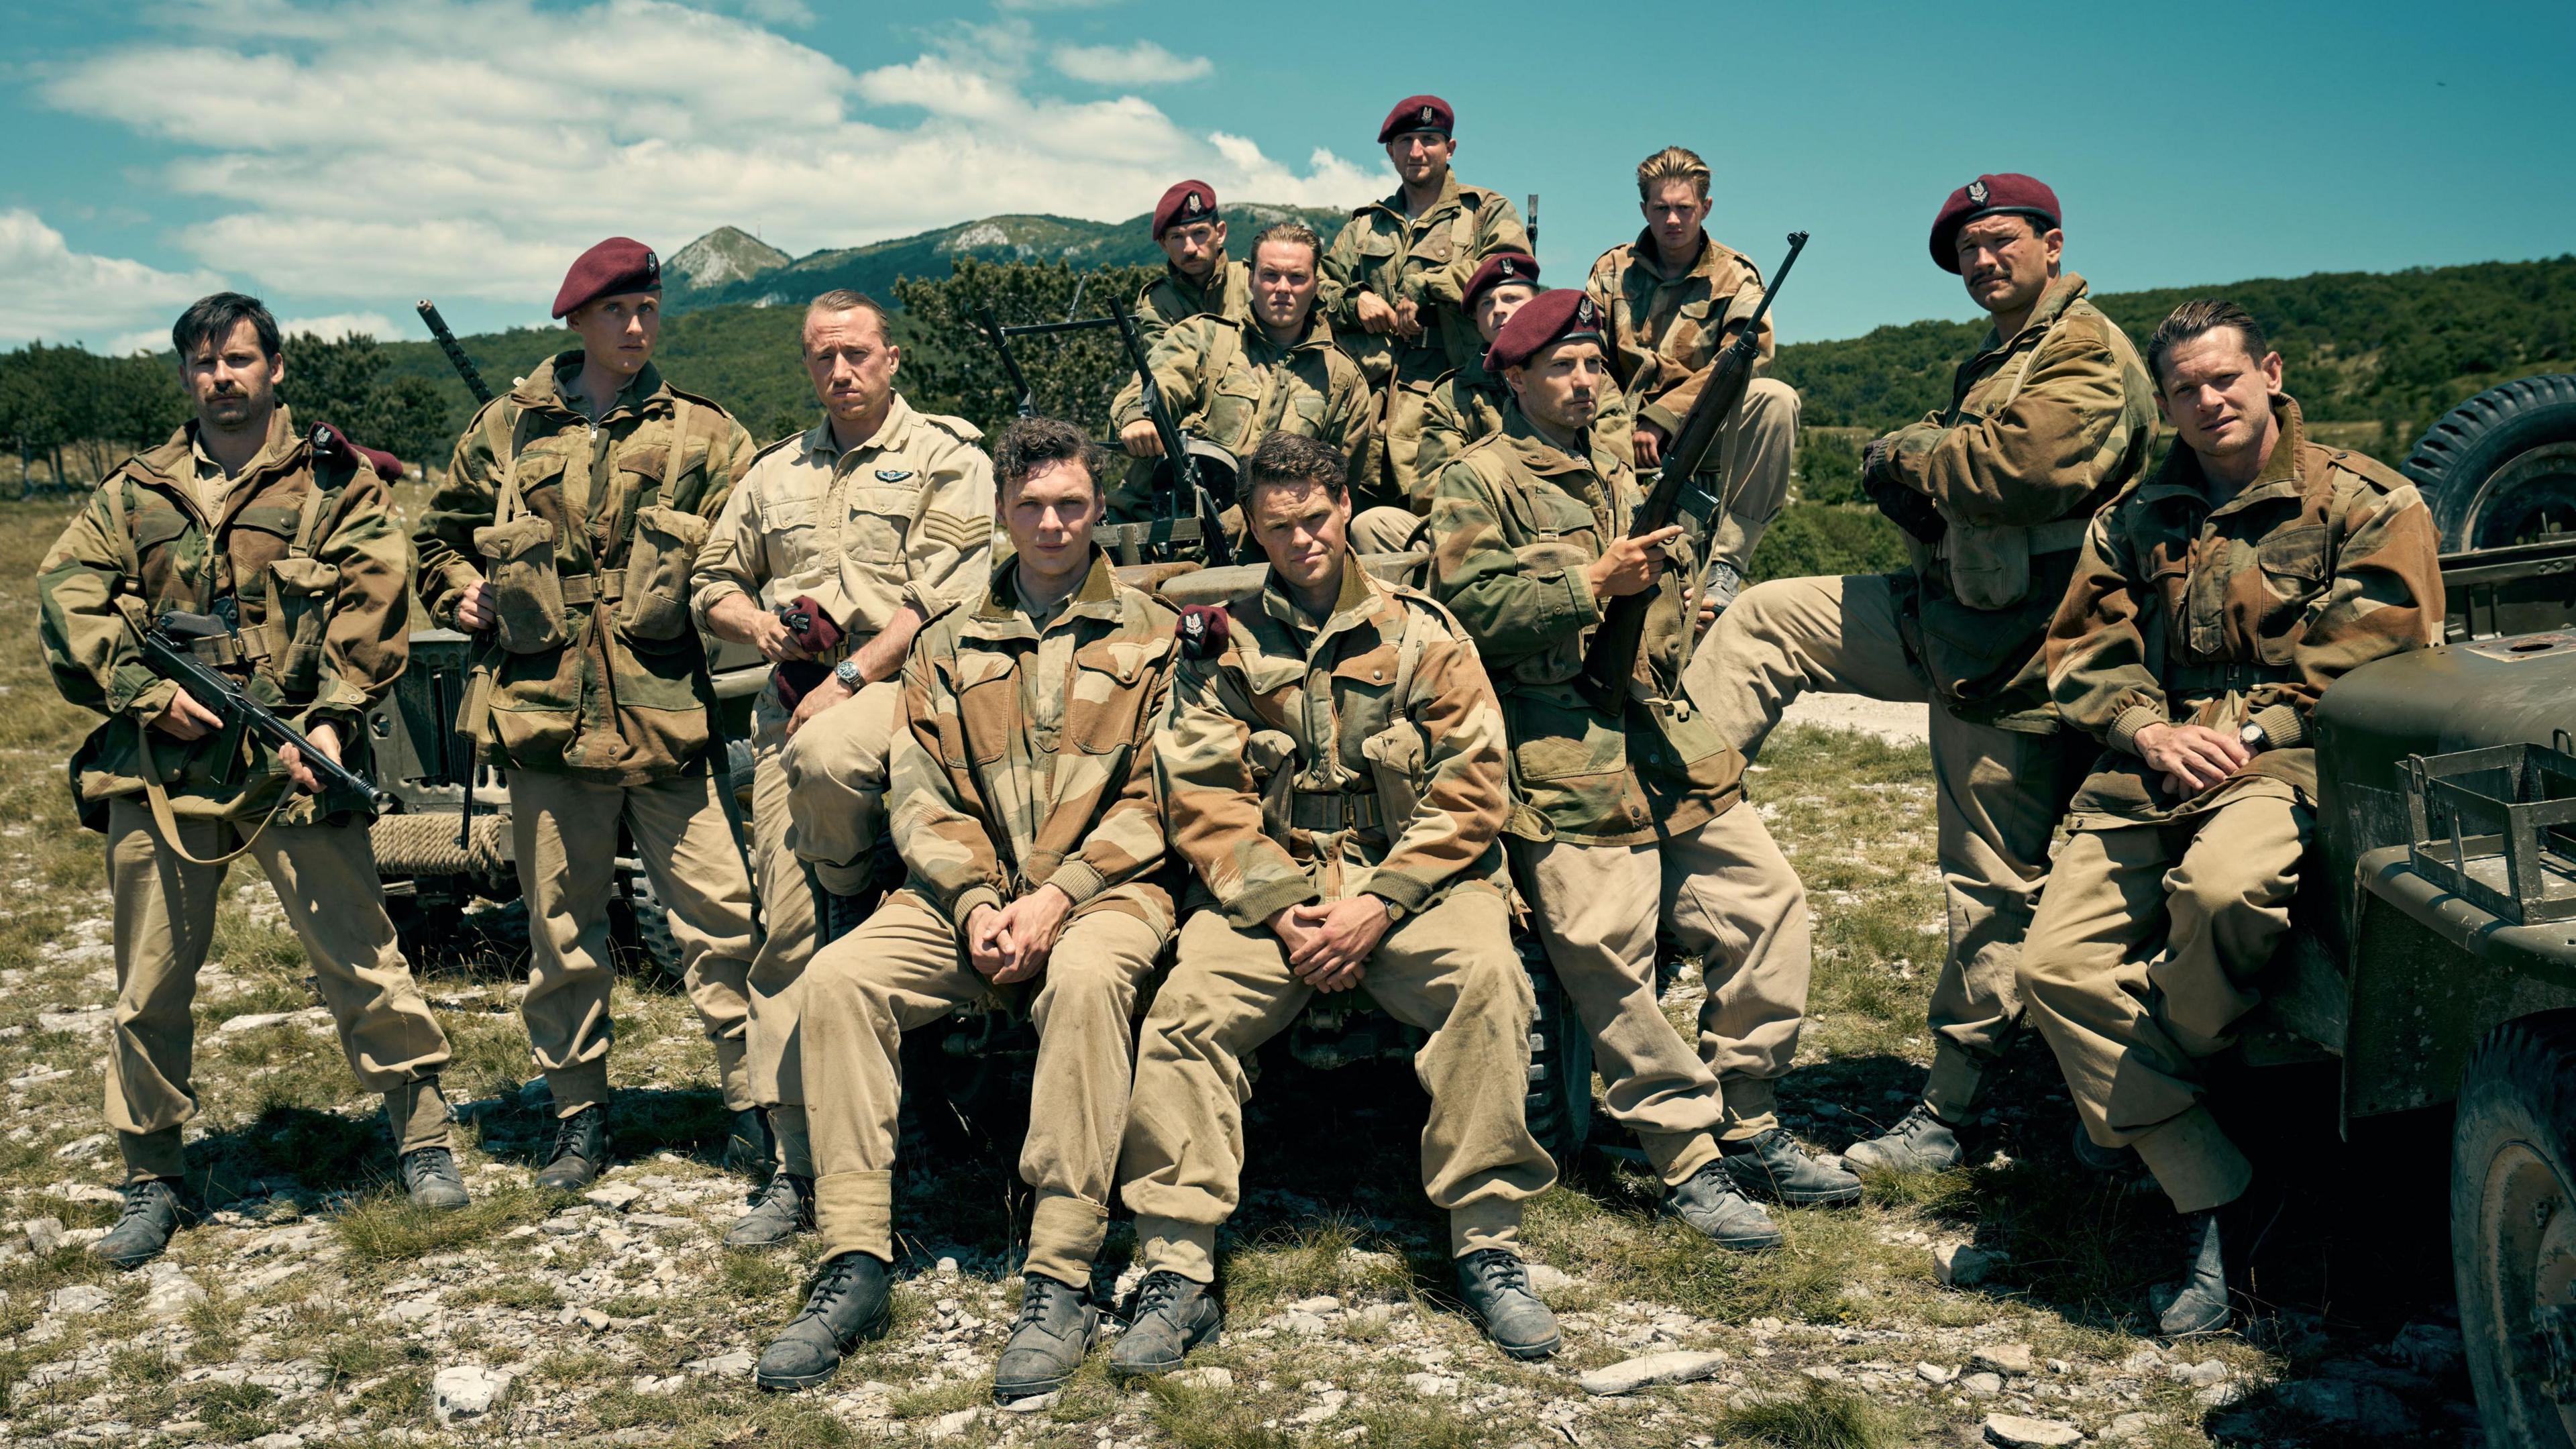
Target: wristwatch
[847, 671]
[2253, 738]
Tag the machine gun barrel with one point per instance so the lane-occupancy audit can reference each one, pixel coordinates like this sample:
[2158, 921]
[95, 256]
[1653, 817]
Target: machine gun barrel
[455, 351]
[168, 653]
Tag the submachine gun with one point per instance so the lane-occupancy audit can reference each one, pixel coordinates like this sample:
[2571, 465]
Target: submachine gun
[1612, 660]
[169, 651]
[1195, 482]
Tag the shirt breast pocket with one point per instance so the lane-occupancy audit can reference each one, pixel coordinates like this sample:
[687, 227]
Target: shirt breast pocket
[877, 523]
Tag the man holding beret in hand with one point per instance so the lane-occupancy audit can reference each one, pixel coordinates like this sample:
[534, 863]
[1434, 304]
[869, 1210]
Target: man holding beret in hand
[2047, 422]
[566, 533]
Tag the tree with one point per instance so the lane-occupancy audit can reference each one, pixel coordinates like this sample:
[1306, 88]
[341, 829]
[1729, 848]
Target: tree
[951, 368]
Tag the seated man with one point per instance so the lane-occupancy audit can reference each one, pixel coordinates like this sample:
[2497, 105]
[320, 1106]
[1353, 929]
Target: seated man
[1371, 852]
[1031, 831]
[2211, 607]
[1468, 403]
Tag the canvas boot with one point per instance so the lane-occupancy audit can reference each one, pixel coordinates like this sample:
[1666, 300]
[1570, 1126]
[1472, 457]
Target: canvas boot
[1771, 1167]
[1496, 1286]
[1058, 1324]
[1172, 1315]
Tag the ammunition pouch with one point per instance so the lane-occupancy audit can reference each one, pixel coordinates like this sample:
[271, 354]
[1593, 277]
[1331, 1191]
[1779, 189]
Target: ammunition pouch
[527, 591]
[1322, 811]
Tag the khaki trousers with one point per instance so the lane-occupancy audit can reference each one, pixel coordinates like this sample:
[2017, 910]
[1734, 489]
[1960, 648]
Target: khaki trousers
[904, 968]
[772, 1061]
[1450, 971]
[1729, 898]
[564, 833]
[2141, 963]
[836, 784]
[325, 878]
[1384, 530]
[1999, 792]
[1754, 450]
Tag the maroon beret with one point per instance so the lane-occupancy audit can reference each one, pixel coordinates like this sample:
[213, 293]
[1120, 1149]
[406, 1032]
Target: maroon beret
[619, 264]
[1417, 113]
[1187, 202]
[1542, 322]
[2006, 194]
[1501, 267]
[333, 447]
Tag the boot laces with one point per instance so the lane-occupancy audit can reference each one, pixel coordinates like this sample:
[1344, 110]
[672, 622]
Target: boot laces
[832, 1283]
[428, 1164]
[569, 1135]
[1034, 1298]
[777, 1190]
[1158, 1292]
[1500, 1270]
[140, 1202]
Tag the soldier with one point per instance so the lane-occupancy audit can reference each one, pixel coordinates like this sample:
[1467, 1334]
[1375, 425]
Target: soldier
[1030, 823]
[1395, 284]
[2211, 607]
[287, 537]
[1235, 381]
[566, 532]
[869, 524]
[1626, 816]
[1198, 278]
[1332, 767]
[1675, 298]
[2047, 421]
[1468, 404]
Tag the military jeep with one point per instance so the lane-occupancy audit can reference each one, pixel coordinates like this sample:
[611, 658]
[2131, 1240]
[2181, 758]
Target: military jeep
[2433, 947]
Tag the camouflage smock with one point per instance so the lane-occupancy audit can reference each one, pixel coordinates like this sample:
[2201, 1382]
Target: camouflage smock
[1515, 524]
[991, 800]
[1290, 707]
[1666, 331]
[1427, 259]
[1172, 298]
[317, 572]
[1226, 381]
[903, 519]
[2184, 613]
[2042, 429]
[599, 672]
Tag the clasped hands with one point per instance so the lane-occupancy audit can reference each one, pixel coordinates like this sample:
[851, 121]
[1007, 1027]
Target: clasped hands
[1329, 945]
[1006, 944]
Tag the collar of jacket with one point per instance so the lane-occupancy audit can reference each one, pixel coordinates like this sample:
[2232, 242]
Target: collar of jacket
[173, 465]
[889, 434]
[1318, 333]
[1712, 256]
[2065, 292]
[1393, 205]
[999, 616]
[1207, 296]
[1360, 601]
[544, 388]
[1541, 456]
[2284, 474]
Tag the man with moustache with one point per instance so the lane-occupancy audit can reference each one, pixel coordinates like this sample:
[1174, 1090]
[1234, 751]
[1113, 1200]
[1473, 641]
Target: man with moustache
[288, 536]
[866, 526]
[2048, 421]
[1628, 813]
[1467, 405]
[1675, 299]
[2212, 606]
[1198, 279]
[1332, 767]
[1395, 287]
[566, 534]
[1026, 812]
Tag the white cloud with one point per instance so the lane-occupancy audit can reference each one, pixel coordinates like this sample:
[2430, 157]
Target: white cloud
[342, 324]
[50, 292]
[1141, 64]
[369, 154]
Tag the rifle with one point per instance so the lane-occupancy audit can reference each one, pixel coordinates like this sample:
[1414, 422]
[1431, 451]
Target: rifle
[1181, 477]
[481, 665]
[167, 653]
[1612, 659]
[455, 351]
[1533, 223]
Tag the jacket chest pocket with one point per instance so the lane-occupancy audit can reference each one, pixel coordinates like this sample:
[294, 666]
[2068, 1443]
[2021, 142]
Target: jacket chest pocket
[1563, 533]
[1304, 413]
[1101, 713]
[161, 561]
[300, 594]
[1436, 248]
[1380, 255]
[527, 591]
[658, 562]
[1363, 702]
[987, 690]
[2292, 565]
[878, 519]
[1234, 410]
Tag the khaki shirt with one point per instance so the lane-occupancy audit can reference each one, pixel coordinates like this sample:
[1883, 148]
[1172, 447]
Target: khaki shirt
[1667, 330]
[2187, 613]
[905, 518]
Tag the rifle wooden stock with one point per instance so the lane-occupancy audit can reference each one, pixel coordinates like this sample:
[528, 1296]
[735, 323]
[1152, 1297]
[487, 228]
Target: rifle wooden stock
[1612, 660]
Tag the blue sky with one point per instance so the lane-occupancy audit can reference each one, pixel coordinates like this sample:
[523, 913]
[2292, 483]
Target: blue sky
[343, 159]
